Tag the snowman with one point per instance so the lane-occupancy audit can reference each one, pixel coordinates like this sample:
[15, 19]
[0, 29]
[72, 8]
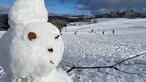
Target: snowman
[32, 48]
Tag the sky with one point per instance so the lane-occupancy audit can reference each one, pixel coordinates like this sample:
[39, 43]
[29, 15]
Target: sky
[88, 6]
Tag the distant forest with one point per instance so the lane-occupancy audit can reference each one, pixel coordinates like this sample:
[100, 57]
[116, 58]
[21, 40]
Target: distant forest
[123, 14]
[62, 20]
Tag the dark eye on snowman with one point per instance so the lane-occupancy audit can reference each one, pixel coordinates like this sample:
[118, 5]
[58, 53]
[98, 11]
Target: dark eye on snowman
[31, 36]
[56, 37]
[50, 50]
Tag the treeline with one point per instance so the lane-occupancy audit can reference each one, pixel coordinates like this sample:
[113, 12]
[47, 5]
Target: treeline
[123, 14]
[4, 22]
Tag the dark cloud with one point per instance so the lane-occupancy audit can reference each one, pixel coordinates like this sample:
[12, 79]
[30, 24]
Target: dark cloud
[63, 1]
[102, 6]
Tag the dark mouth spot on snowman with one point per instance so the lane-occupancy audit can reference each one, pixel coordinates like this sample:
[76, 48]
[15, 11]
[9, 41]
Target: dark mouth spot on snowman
[50, 50]
[51, 62]
[57, 37]
[32, 36]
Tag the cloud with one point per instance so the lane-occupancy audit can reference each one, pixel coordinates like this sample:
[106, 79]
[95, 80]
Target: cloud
[113, 1]
[100, 6]
[104, 10]
[144, 9]
[63, 1]
[80, 6]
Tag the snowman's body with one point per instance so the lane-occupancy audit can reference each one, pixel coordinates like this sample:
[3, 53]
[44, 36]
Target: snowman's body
[31, 49]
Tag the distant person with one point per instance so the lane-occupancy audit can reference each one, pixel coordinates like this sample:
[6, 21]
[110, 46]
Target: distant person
[60, 31]
[92, 31]
[103, 32]
[113, 31]
[75, 32]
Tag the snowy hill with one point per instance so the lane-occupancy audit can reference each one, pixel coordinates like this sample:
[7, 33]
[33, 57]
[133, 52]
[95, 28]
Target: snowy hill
[118, 24]
[84, 48]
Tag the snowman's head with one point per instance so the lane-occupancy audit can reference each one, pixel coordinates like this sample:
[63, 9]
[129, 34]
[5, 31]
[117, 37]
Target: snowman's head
[24, 12]
[39, 47]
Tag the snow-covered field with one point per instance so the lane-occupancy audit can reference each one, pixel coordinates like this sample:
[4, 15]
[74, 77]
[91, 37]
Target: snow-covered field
[84, 48]
[95, 49]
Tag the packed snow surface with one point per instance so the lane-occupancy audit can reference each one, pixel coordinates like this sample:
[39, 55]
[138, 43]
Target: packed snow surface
[86, 48]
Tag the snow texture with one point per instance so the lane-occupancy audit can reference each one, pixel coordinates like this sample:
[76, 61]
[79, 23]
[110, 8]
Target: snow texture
[32, 48]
